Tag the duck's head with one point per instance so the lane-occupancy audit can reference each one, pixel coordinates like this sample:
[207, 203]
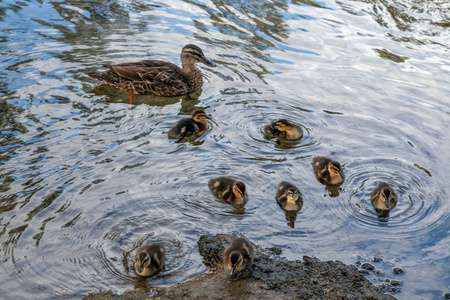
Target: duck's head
[192, 54]
[144, 260]
[199, 115]
[387, 199]
[237, 263]
[239, 191]
[283, 125]
[335, 169]
[292, 195]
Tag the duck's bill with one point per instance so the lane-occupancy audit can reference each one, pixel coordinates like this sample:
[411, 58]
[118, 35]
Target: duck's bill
[342, 174]
[208, 62]
[244, 198]
[141, 268]
[233, 272]
[386, 203]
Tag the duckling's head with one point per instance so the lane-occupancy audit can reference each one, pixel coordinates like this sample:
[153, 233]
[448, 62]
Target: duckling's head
[199, 115]
[292, 195]
[239, 191]
[192, 54]
[144, 260]
[335, 169]
[387, 199]
[237, 263]
[283, 125]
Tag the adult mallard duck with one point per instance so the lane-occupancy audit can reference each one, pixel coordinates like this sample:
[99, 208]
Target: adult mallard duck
[149, 259]
[238, 256]
[328, 171]
[189, 126]
[383, 197]
[154, 77]
[289, 197]
[228, 190]
[284, 129]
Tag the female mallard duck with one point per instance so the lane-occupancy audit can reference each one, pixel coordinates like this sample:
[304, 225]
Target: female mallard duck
[149, 259]
[238, 256]
[289, 197]
[383, 197]
[228, 190]
[189, 126]
[154, 77]
[284, 129]
[328, 171]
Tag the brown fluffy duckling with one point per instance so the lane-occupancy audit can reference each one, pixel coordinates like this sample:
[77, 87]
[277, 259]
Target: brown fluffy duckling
[383, 197]
[328, 171]
[149, 259]
[238, 256]
[189, 126]
[154, 77]
[284, 129]
[289, 197]
[228, 190]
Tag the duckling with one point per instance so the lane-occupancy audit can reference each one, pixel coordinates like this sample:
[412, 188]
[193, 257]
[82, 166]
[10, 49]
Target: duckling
[284, 129]
[228, 190]
[328, 171]
[189, 126]
[383, 197]
[289, 197]
[238, 256]
[154, 77]
[149, 259]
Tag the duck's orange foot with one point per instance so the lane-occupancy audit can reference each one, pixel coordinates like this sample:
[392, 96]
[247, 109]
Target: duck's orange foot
[130, 101]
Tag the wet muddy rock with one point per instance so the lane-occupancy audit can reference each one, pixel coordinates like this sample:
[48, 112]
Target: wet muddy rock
[271, 277]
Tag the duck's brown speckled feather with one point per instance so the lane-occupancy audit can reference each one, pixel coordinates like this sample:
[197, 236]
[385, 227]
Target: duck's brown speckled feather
[148, 77]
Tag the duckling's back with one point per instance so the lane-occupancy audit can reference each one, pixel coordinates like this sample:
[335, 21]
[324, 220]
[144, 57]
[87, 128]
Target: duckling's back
[222, 188]
[184, 128]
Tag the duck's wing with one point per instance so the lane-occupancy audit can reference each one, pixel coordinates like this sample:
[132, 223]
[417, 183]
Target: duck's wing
[150, 77]
[148, 70]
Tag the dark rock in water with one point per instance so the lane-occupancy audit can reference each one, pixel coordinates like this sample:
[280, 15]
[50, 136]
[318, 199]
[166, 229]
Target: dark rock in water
[398, 271]
[271, 278]
[377, 259]
[368, 267]
[396, 282]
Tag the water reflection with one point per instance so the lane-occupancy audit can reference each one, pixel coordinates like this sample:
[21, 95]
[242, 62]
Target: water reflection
[425, 20]
[188, 102]
[291, 216]
[94, 178]
[333, 189]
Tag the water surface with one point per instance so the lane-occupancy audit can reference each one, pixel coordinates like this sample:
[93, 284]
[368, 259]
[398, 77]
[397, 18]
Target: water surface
[85, 178]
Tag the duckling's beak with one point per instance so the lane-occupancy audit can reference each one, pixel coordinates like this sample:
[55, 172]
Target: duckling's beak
[386, 203]
[141, 268]
[341, 174]
[244, 198]
[208, 62]
[233, 271]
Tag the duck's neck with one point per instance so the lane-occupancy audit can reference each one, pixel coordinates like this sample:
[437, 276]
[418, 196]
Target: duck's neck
[193, 76]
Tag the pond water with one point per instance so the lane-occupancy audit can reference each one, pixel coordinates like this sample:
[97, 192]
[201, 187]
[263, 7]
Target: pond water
[86, 178]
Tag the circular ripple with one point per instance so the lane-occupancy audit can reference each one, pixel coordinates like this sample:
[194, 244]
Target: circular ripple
[415, 211]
